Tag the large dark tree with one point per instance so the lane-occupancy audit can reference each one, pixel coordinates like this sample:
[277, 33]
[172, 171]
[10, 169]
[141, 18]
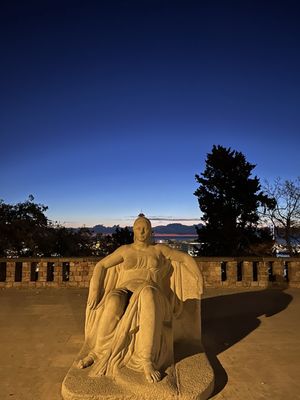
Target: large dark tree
[229, 199]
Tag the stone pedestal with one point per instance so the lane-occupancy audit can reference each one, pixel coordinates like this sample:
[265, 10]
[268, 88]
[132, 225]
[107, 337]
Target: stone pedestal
[191, 378]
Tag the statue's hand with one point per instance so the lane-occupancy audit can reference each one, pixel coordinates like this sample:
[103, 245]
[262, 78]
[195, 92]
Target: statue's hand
[93, 299]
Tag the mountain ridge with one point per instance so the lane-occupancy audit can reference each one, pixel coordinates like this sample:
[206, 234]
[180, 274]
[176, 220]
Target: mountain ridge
[174, 229]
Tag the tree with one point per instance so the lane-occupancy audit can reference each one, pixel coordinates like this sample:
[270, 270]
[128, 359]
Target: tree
[6, 215]
[285, 216]
[21, 227]
[229, 200]
[26, 231]
[67, 242]
[122, 236]
[106, 244]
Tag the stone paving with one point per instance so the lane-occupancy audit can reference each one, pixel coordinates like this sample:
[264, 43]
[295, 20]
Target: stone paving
[251, 337]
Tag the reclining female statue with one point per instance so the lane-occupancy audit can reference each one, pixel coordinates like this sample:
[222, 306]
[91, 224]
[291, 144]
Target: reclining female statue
[135, 296]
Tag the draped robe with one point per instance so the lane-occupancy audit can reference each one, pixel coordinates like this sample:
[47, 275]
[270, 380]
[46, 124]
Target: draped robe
[173, 285]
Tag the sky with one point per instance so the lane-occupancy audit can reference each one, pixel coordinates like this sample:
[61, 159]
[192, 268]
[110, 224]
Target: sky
[109, 108]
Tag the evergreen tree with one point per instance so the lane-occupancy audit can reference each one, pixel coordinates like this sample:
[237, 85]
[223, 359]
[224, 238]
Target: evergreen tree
[229, 200]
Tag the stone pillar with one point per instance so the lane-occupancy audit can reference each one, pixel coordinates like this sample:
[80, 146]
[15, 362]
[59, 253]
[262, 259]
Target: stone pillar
[294, 274]
[212, 273]
[77, 267]
[10, 273]
[74, 275]
[87, 273]
[247, 273]
[278, 273]
[57, 274]
[263, 276]
[42, 278]
[26, 270]
[231, 273]
[83, 270]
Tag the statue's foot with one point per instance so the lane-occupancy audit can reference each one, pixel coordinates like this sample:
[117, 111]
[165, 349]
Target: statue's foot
[86, 362]
[151, 374]
[98, 370]
[101, 370]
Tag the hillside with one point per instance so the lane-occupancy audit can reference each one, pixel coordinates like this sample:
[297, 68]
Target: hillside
[174, 229]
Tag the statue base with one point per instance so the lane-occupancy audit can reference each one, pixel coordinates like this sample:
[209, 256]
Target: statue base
[190, 378]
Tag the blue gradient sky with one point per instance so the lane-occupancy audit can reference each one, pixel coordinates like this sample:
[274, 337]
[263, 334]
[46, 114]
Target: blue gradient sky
[109, 108]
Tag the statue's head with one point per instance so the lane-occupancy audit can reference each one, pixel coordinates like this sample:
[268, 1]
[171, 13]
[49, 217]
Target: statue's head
[142, 229]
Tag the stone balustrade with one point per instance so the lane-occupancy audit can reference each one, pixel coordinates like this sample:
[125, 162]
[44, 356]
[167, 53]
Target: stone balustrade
[217, 272]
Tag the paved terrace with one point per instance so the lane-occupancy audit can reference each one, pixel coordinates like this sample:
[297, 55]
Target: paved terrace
[251, 337]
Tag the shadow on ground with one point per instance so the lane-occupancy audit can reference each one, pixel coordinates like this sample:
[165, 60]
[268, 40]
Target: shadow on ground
[227, 319]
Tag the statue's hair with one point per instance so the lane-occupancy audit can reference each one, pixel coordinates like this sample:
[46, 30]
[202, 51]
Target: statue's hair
[141, 217]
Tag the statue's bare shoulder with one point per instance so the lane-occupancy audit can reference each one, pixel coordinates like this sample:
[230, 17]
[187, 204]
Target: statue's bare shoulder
[123, 249]
[168, 252]
[162, 248]
[116, 257]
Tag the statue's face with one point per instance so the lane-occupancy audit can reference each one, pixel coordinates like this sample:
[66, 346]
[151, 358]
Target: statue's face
[141, 230]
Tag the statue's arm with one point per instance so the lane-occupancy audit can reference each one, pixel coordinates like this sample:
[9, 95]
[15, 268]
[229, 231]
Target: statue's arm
[98, 275]
[186, 259]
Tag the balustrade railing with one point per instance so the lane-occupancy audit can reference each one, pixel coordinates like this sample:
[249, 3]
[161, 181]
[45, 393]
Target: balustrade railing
[217, 272]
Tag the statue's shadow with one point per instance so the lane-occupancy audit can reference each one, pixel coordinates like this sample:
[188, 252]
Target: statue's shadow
[227, 319]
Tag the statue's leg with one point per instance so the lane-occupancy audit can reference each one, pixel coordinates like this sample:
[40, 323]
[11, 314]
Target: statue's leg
[150, 331]
[114, 307]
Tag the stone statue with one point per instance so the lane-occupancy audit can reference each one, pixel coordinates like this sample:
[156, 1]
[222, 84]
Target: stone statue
[143, 304]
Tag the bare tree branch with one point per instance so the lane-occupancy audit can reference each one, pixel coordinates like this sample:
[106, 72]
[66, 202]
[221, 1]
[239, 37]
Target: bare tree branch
[285, 216]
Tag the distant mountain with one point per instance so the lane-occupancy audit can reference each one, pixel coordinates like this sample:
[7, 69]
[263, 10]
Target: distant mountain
[106, 230]
[174, 229]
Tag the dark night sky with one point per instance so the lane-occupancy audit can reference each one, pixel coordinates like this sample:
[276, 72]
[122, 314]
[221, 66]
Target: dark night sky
[107, 108]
